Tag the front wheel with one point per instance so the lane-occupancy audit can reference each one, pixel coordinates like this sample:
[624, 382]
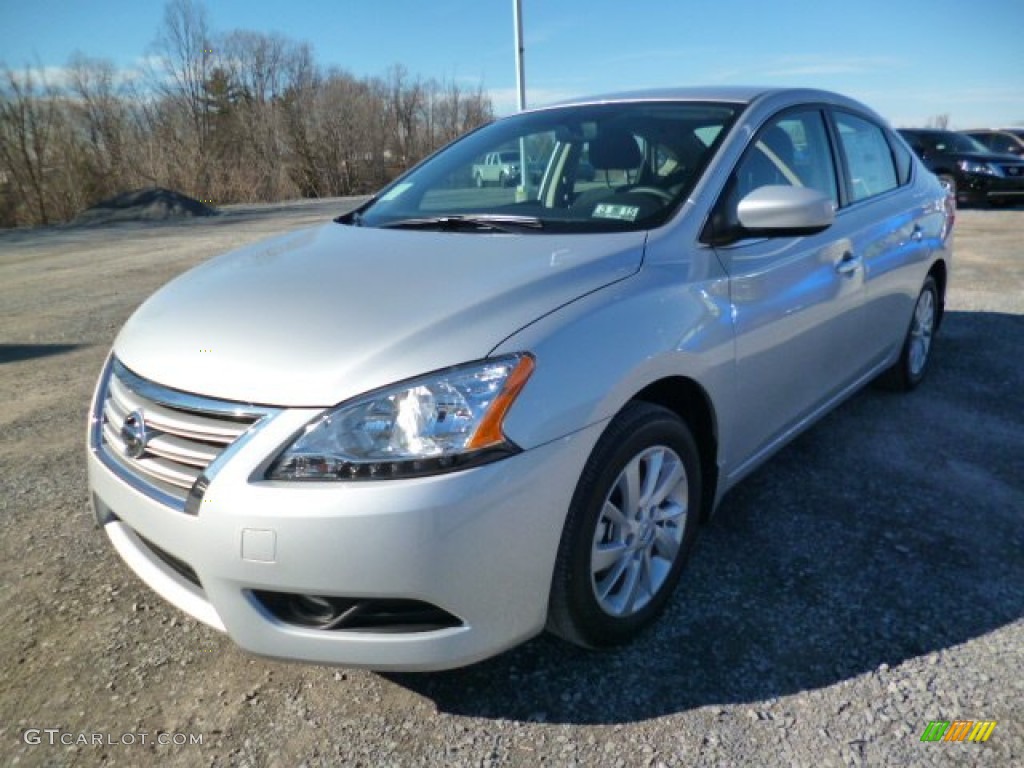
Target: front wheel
[910, 369]
[630, 527]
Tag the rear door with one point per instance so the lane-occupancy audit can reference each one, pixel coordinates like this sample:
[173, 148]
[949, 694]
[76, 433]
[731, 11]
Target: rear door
[889, 229]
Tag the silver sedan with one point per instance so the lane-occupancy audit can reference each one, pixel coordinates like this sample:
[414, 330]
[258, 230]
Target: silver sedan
[423, 433]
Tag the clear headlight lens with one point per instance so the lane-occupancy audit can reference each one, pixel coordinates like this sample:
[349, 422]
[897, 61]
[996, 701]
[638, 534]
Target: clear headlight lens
[974, 166]
[444, 421]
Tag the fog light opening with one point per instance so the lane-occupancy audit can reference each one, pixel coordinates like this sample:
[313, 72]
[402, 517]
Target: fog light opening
[392, 615]
[320, 612]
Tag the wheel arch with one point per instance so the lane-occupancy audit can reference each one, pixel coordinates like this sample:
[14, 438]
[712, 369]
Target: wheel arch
[690, 402]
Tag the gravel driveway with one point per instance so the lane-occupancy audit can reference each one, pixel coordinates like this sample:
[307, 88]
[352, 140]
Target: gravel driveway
[866, 581]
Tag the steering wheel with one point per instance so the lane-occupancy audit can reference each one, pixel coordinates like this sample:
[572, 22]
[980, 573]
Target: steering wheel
[659, 193]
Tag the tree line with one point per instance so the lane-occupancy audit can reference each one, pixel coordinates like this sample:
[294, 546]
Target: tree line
[239, 116]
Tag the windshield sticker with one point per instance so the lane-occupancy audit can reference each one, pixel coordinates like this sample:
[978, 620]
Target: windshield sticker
[396, 192]
[620, 212]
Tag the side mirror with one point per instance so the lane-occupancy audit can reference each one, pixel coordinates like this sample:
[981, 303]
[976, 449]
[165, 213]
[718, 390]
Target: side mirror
[774, 211]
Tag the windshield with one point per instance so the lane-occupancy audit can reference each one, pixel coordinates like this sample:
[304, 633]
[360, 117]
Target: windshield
[948, 141]
[600, 167]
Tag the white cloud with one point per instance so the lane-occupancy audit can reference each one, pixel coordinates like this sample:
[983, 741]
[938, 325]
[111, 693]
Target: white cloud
[40, 77]
[62, 78]
[506, 100]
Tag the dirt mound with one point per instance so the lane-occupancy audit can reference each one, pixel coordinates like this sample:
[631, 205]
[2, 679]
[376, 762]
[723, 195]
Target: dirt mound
[150, 204]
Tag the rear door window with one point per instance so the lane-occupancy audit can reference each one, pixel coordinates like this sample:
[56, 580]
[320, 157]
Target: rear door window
[869, 160]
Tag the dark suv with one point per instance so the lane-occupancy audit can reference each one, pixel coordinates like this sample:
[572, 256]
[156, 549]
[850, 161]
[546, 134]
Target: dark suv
[1009, 140]
[976, 174]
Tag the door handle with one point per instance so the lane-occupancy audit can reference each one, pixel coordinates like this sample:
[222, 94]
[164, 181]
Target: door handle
[848, 264]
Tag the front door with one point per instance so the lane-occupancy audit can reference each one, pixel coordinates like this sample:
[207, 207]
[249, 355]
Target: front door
[797, 302]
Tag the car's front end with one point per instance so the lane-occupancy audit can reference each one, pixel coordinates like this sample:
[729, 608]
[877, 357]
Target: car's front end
[980, 176]
[292, 446]
[996, 180]
[416, 573]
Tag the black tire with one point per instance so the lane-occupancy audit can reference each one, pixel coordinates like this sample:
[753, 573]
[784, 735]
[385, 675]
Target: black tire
[649, 546]
[479, 180]
[502, 180]
[910, 369]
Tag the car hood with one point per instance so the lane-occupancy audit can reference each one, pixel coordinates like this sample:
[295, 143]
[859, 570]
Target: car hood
[316, 316]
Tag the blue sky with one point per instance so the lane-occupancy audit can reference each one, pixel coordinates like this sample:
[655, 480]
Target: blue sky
[909, 59]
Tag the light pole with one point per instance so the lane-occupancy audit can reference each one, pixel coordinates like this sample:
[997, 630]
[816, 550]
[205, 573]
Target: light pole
[517, 10]
[522, 189]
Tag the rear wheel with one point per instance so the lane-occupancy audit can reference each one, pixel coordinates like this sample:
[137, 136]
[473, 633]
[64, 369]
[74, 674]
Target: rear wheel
[630, 527]
[910, 369]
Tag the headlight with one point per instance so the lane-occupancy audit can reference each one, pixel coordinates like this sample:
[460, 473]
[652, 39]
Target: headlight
[975, 166]
[444, 421]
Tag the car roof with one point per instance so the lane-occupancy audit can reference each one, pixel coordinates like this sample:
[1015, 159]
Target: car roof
[737, 94]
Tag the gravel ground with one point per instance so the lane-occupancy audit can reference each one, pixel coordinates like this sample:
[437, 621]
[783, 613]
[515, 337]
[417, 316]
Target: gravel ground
[867, 580]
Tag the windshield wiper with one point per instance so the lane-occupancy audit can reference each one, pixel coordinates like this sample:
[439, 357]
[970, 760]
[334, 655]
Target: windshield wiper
[470, 222]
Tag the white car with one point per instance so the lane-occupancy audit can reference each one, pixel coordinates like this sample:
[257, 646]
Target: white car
[416, 436]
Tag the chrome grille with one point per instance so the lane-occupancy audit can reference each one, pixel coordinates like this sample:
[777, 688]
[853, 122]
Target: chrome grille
[179, 436]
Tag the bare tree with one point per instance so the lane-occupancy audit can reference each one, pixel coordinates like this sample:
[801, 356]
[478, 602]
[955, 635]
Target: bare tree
[29, 116]
[404, 104]
[262, 69]
[187, 57]
[99, 111]
[240, 116]
[453, 111]
[336, 135]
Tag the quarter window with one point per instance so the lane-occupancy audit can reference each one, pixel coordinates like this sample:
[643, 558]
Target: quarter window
[904, 160]
[868, 156]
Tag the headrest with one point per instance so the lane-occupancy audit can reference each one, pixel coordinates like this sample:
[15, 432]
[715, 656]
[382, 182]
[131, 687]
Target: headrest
[615, 150]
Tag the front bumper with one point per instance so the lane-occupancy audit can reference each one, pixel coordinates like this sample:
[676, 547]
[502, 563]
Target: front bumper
[980, 189]
[479, 544]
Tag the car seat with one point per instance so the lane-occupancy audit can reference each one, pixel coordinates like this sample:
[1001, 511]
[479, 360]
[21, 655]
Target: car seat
[610, 150]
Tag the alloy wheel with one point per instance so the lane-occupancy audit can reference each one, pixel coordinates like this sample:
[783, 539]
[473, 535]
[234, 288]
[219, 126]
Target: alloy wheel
[639, 532]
